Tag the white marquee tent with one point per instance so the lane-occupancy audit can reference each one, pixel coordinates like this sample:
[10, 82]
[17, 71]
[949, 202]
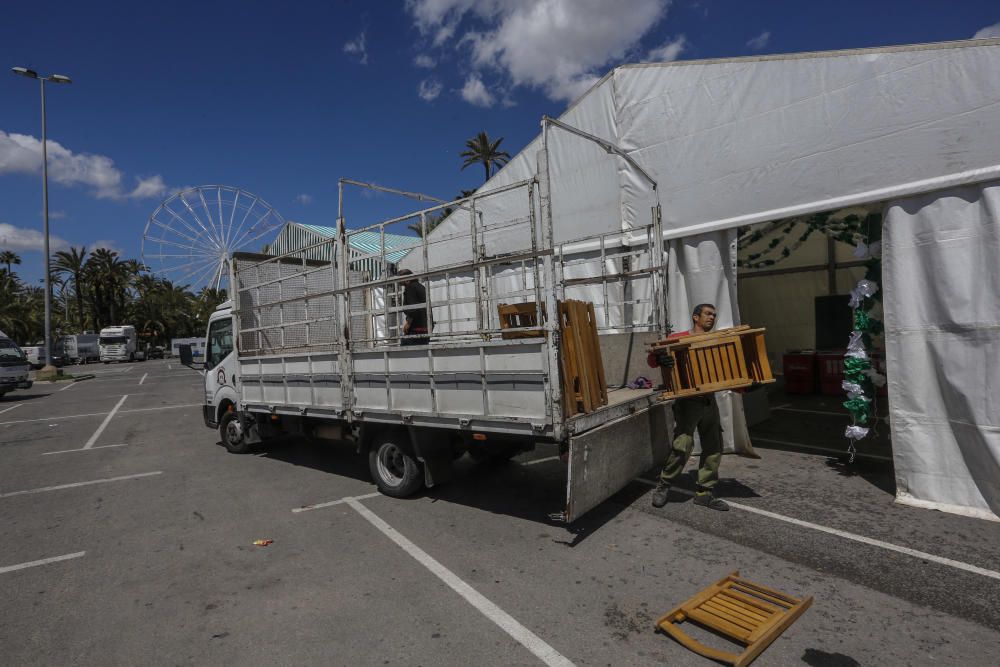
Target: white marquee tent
[739, 141]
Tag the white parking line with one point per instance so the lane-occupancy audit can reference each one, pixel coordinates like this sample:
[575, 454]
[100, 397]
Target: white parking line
[16, 405]
[143, 378]
[67, 451]
[507, 623]
[812, 412]
[127, 369]
[104, 424]
[889, 546]
[69, 386]
[98, 414]
[306, 508]
[537, 461]
[825, 450]
[76, 484]
[44, 561]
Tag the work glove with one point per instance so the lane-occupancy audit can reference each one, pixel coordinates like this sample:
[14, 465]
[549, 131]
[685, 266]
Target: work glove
[665, 359]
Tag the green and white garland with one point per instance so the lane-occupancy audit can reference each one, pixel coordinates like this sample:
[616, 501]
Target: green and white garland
[860, 378]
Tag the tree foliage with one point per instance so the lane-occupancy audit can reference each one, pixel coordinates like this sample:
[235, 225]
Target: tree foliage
[101, 289]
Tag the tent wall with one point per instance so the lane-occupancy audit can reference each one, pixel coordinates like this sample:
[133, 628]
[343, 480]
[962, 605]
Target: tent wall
[941, 272]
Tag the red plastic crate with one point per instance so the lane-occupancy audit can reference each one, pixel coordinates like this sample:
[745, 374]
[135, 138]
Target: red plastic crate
[831, 372]
[800, 372]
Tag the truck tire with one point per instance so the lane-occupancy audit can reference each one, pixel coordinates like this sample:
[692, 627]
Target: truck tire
[231, 432]
[395, 471]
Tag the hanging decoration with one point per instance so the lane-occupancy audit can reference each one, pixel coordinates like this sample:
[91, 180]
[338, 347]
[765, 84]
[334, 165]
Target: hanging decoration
[860, 378]
[847, 226]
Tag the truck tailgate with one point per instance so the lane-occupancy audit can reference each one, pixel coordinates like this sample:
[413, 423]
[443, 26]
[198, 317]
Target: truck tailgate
[604, 459]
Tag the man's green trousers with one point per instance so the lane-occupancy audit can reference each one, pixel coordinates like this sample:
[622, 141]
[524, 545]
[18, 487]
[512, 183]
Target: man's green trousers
[699, 413]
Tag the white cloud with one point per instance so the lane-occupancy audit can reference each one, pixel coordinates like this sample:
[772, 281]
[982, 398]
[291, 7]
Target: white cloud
[304, 199]
[149, 187]
[474, 92]
[20, 238]
[988, 32]
[429, 89]
[760, 41]
[22, 153]
[425, 61]
[558, 46]
[668, 51]
[358, 47]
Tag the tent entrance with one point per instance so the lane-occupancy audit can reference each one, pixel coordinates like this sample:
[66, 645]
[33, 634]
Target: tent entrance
[795, 278]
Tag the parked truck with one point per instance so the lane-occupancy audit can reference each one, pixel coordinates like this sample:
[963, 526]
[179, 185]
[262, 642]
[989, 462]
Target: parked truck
[118, 343]
[14, 366]
[80, 348]
[313, 343]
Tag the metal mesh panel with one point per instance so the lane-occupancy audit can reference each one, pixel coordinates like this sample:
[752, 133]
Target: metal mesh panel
[286, 304]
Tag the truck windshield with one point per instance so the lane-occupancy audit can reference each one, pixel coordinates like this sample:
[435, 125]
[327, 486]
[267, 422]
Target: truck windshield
[220, 341]
[113, 340]
[10, 352]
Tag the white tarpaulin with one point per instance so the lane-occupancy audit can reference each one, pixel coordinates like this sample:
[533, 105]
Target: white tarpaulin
[739, 141]
[702, 269]
[941, 273]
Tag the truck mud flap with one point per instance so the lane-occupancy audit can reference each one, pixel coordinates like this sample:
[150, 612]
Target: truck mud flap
[604, 460]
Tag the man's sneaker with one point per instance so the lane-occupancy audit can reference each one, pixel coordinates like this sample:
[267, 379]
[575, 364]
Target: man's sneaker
[660, 494]
[711, 502]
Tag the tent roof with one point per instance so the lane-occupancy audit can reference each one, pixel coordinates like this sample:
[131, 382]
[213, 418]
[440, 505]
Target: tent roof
[734, 141]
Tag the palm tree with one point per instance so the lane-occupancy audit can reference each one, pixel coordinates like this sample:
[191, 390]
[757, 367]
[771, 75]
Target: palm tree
[435, 219]
[480, 150]
[109, 278]
[9, 257]
[71, 265]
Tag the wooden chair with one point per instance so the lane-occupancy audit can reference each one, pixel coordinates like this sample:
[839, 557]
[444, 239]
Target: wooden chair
[517, 315]
[738, 609]
[733, 358]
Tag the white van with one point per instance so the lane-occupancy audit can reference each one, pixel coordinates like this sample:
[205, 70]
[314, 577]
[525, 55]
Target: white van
[118, 344]
[13, 366]
[80, 348]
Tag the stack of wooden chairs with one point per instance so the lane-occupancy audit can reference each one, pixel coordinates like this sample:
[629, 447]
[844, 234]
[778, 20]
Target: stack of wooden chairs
[585, 388]
[733, 358]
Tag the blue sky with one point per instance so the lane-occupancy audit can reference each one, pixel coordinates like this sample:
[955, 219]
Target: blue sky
[283, 99]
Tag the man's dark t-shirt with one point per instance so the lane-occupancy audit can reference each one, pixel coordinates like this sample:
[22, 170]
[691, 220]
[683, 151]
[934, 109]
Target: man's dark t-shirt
[415, 294]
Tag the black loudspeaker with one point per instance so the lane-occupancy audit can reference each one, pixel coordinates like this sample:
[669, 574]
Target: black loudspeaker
[834, 321]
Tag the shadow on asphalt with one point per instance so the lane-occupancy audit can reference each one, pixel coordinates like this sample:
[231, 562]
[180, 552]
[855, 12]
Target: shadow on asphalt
[328, 457]
[534, 493]
[816, 658]
[19, 398]
[877, 473]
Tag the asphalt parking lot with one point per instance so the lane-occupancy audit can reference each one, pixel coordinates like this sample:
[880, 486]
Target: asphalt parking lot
[128, 539]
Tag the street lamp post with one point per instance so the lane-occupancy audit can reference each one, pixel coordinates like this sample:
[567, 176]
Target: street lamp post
[48, 369]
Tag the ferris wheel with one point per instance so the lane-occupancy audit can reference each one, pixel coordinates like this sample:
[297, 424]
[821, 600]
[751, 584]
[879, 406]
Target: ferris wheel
[190, 237]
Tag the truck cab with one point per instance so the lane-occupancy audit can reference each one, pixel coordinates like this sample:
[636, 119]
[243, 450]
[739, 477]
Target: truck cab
[118, 344]
[13, 366]
[221, 397]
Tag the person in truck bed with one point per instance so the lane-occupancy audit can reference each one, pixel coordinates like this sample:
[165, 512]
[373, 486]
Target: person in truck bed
[699, 413]
[415, 310]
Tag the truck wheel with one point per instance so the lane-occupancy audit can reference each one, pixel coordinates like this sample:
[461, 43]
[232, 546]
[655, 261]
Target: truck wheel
[131, 358]
[231, 432]
[396, 472]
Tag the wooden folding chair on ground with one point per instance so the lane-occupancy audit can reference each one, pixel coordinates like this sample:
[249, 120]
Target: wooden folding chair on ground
[738, 609]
